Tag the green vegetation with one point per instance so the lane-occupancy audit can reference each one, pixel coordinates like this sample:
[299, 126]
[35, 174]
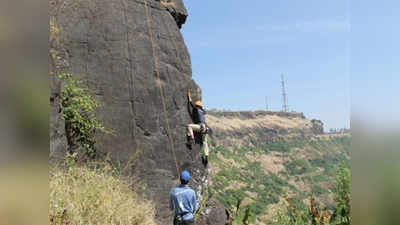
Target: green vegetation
[298, 213]
[268, 187]
[78, 108]
[91, 192]
[244, 178]
[297, 167]
[318, 190]
[342, 196]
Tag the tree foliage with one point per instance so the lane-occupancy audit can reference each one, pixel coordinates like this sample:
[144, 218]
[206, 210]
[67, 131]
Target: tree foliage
[296, 213]
[342, 196]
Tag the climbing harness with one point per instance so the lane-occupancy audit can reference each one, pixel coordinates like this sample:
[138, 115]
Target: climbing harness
[155, 59]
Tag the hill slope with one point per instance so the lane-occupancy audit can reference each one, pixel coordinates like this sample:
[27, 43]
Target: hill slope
[261, 157]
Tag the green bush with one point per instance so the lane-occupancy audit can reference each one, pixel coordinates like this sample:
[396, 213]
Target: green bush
[296, 213]
[78, 108]
[297, 167]
[342, 196]
[318, 190]
[279, 147]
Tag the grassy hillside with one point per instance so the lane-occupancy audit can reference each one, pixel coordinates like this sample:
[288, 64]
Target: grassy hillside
[95, 195]
[261, 177]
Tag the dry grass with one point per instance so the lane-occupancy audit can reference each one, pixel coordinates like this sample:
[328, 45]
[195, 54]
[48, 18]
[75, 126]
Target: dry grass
[83, 196]
[229, 161]
[271, 163]
[235, 185]
[241, 131]
[267, 121]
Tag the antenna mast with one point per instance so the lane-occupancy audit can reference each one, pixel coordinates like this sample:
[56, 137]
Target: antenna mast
[285, 106]
[266, 103]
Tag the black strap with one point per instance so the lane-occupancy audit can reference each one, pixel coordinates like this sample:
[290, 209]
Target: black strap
[183, 214]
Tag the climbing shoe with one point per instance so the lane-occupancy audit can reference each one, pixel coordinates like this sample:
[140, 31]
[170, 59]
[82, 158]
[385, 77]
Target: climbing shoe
[189, 143]
[204, 160]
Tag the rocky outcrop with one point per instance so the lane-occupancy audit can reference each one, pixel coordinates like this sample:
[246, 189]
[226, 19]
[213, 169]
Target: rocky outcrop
[317, 126]
[177, 10]
[132, 56]
[256, 128]
[58, 140]
[213, 214]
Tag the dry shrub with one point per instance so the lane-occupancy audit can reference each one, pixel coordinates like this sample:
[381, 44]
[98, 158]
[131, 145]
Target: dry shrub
[85, 196]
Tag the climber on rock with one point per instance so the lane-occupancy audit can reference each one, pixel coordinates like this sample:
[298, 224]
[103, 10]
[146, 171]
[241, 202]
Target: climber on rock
[198, 115]
[183, 201]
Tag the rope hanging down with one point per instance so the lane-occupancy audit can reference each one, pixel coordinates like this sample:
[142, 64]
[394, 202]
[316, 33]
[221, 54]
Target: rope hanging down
[171, 141]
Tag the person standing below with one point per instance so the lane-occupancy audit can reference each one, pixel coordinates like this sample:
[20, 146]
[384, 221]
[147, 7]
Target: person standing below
[198, 115]
[183, 201]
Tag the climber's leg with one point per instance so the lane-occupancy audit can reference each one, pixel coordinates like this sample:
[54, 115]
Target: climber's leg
[204, 146]
[190, 135]
[191, 128]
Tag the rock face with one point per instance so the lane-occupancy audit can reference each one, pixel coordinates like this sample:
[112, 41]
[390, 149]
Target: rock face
[213, 214]
[131, 54]
[58, 140]
[177, 10]
[58, 62]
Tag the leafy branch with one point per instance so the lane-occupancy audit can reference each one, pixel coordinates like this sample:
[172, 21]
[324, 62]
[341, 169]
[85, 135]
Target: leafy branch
[81, 123]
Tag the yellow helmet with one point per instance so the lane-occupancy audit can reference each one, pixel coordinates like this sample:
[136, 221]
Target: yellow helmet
[198, 103]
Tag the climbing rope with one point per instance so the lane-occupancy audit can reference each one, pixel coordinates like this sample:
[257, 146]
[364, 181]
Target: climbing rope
[169, 134]
[132, 94]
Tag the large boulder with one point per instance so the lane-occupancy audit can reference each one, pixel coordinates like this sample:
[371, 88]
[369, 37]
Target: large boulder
[132, 56]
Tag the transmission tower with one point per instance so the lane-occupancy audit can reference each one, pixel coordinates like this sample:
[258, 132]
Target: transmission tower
[266, 103]
[285, 106]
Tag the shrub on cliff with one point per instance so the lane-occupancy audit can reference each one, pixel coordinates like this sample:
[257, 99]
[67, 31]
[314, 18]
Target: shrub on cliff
[83, 195]
[78, 108]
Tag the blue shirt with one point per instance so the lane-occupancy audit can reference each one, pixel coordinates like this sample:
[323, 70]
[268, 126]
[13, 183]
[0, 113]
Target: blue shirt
[183, 200]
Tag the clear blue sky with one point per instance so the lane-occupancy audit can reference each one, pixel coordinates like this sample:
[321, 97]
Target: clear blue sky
[240, 48]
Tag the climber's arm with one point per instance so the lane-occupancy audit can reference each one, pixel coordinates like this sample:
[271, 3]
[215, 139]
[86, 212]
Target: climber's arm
[190, 98]
[190, 104]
